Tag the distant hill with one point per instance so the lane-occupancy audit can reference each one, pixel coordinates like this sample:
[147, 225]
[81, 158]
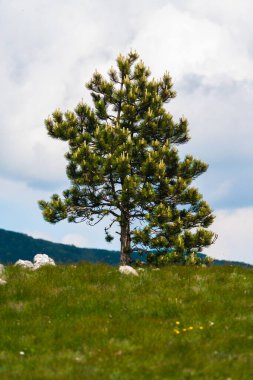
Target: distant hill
[15, 245]
[233, 263]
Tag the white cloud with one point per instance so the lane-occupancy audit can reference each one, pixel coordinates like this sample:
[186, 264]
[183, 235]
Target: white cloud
[76, 239]
[235, 239]
[192, 39]
[18, 192]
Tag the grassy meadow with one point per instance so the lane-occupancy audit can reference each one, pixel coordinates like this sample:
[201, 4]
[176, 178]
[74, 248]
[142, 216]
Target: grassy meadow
[91, 322]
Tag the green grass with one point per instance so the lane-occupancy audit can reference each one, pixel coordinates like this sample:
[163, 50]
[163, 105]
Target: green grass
[91, 322]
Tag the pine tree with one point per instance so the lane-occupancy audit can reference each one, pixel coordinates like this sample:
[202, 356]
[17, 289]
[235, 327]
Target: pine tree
[123, 162]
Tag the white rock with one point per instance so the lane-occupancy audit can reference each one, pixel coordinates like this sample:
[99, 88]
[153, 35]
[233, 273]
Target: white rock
[126, 269]
[2, 282]
[41, 259]
[1, 268]
[24, 264]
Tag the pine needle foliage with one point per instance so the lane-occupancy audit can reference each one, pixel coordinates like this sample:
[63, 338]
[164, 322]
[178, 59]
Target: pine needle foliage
[123, 162]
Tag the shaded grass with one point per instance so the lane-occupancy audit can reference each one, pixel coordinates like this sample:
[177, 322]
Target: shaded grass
[90, 322]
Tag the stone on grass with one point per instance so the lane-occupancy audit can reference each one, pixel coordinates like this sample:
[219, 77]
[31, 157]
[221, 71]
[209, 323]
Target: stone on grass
[2, 282]
[24, 263]
[41, 259]
[126, 269]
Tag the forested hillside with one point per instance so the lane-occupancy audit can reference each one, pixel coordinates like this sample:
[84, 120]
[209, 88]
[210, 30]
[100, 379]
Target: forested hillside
[14, 246]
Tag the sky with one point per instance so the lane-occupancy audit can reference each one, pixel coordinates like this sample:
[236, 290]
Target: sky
[49, 50]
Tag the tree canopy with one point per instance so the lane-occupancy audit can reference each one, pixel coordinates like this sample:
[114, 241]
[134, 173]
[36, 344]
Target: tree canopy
[123, 163]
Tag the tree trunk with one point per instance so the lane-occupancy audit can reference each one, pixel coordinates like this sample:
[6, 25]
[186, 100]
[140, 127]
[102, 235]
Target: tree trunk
[125, 242]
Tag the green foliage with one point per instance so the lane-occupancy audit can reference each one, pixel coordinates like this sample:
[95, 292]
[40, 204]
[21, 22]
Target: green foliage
[77, 322]
[123, 162]
[159, 259]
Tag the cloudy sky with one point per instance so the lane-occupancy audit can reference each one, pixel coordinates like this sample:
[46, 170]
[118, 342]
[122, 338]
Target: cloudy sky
[49, 50]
